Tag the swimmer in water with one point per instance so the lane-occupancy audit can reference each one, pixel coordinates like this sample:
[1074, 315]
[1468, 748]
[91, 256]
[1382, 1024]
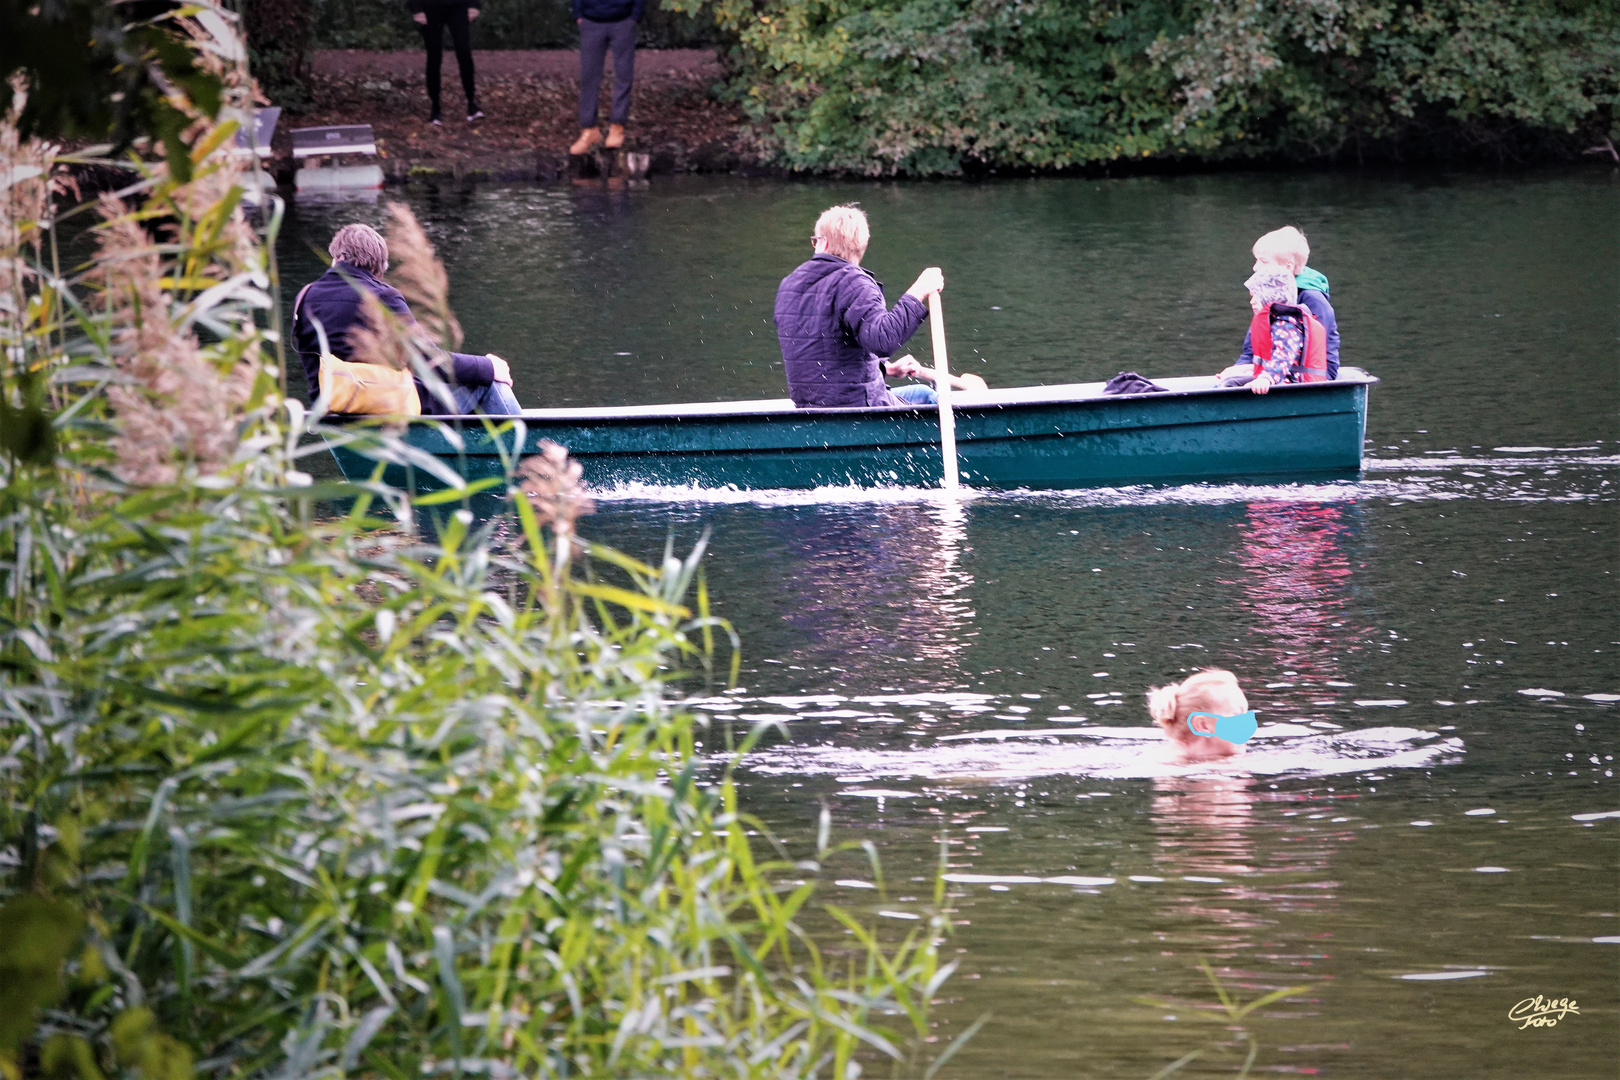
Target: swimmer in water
[1211, 691]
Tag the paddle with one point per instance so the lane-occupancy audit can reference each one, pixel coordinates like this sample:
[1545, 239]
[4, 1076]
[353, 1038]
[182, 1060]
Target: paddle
[942, 387]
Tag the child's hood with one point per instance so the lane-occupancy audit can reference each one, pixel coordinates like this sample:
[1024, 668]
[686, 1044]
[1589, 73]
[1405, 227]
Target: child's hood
[1312, 279]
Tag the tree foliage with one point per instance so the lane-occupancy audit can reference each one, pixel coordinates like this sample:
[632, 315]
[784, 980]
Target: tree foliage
[101, 70]
[941, 86]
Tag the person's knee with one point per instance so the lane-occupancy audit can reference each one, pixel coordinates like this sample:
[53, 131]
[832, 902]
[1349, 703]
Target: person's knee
[501, 401]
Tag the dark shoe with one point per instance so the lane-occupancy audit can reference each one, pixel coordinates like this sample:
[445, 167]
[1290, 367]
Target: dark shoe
[436, 119]
[476, 115]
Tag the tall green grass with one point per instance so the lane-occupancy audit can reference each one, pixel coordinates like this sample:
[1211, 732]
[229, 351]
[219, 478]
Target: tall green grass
[291, 794]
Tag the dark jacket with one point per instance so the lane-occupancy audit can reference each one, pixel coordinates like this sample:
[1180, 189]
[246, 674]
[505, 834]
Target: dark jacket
[831, 321]
[333, 300]
[1322, 308]
[605, 11]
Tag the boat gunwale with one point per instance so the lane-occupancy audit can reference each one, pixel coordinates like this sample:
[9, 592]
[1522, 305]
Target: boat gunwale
[962, 401]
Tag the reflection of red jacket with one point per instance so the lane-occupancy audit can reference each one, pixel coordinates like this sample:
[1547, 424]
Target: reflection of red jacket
[1313, 365]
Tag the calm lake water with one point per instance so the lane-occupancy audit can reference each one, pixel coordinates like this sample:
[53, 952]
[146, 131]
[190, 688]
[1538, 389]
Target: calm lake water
[1423, 834]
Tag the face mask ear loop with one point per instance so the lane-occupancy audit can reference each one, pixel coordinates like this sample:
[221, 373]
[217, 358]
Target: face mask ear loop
[1195, 731]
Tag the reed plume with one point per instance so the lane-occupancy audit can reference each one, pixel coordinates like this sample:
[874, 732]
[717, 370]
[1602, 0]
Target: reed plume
[420, 275]
[180, 404]
[25, 205]
[174, 406]
[551, 480]
[380, 338]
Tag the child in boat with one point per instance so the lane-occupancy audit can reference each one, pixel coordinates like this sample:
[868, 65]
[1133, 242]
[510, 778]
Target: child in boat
[1197, 700]
[1287, 250]
[1287, 342]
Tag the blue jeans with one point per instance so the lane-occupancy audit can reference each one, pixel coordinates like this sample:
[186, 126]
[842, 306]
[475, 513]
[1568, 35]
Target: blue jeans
[916, 394]
[496, 399]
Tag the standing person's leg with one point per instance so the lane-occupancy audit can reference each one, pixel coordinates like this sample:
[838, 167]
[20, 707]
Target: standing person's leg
[623, 35]
[456, 19]
[593, 43]
[433, 41]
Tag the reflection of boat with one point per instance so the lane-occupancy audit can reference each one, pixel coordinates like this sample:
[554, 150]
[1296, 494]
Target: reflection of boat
[873, 597]
[1026, 437]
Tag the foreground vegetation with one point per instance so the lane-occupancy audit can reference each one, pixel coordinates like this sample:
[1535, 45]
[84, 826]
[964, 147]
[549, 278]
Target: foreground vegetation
[290, 793]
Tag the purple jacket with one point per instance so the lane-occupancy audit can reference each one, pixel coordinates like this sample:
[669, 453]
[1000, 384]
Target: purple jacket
[834, 329]
[335, 303]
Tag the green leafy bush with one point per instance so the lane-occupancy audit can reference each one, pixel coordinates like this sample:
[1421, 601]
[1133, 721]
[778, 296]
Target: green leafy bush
[293, 792]
[926, 87]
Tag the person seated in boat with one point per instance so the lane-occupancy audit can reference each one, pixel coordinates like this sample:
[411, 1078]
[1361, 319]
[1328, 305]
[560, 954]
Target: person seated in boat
[835, 329]
[1287, 342]
[916, 369]
[1286, 250]
[478, 385]
[1190, 712]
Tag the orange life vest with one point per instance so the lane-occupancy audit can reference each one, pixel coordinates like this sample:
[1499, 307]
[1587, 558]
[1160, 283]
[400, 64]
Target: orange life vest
[1312, 366]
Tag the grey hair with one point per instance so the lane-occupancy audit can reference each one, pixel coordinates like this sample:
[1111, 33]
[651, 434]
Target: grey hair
[1273, 287]
[845, 230]
[362, 246]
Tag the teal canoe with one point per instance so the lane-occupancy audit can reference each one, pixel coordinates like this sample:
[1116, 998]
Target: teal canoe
[1068, 436]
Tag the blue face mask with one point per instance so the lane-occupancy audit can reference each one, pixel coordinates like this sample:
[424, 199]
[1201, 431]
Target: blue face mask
[1234, 729]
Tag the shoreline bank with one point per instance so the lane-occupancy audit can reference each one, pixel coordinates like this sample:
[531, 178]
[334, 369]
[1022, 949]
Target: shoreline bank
[678, 119]
[529, 98]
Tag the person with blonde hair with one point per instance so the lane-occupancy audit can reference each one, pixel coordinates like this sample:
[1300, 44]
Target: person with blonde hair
[330, 307]
[1187, 713]
[1286, 250]
[835, 327]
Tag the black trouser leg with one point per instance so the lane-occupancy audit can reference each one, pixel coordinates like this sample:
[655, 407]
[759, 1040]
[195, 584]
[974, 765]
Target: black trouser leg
[461, 38]
[433, 42]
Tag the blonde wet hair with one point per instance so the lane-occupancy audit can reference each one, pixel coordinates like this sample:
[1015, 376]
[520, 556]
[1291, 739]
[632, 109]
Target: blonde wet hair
[845, 230]
[1286, 246]
[1212, 690]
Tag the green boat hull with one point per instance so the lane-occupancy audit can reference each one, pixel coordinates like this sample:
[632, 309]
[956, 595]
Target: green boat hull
[1029, 437]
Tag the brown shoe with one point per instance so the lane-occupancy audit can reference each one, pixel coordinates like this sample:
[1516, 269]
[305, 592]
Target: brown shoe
[588, 138]
[615, 137]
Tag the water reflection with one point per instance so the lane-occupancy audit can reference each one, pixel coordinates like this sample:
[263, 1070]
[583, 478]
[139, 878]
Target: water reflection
[874, 588]
[1209, 829]
[1296, 581]
[1201, 826]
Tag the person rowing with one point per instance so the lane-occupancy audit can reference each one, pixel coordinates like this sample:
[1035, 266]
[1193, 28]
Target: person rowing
[835, 329]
